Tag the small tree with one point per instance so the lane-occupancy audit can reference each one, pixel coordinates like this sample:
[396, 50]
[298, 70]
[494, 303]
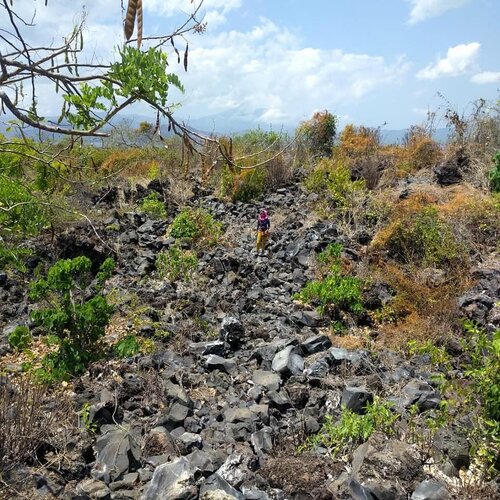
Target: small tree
[76, 314]
[319, 133]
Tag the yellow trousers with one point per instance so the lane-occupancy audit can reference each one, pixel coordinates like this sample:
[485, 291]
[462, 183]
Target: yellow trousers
[262, 237]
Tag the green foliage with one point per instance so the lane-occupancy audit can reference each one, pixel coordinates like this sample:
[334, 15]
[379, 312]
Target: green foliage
[74, 319]
[335, 292]
[494, 174]
[127, 347]
[484, 369]
[437, 355]
[319, 133]
[139, 75]
[332, 179]
[87, 422]
[352, 429]
[176, 263]
[243, 185]
[196, 227]
[20, 338]
[424, 238]
[152, 206]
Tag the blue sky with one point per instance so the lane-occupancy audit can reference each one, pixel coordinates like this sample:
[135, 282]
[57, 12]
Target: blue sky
[276, 61]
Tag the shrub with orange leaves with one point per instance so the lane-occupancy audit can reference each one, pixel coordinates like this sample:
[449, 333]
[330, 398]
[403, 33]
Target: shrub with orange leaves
[422, 151]
[358, 141]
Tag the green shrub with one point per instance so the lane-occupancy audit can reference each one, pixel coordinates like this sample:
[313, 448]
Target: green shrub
[176, 263]
[152, 206]
[424, 238]
[494, 174]
[332, 179]
[76, 314]
[484, 369]
[484, 396]
[335, 292]
[127, 347]
[20, 338]
[437, 355]
[196, 227]
[243, 185]
[352, 429]
[319, 133]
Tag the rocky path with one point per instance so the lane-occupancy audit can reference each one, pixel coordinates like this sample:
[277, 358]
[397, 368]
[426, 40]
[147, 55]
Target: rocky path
[245, 375]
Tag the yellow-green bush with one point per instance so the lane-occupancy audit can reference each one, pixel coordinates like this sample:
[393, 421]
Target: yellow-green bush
[422, 237]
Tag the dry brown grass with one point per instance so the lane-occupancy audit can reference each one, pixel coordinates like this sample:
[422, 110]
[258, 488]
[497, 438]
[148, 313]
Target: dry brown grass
[418, 311]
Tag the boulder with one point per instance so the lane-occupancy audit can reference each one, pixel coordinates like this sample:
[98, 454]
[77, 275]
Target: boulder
[174, 480]
[117, 451]
[287, 361]
[232, 332]
[217, 488]
[356, 399]
[316, 343]
[431, 490]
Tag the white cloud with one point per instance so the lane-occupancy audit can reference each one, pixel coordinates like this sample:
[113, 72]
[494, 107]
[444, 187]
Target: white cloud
[423, 9]
[268, 72]
[486, 77]
[459, 60]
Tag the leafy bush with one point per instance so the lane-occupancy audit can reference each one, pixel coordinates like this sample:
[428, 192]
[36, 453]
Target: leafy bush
[319, 133]
[335, 292]
[127, 347]
[196, 227]
[484, 396]
[176, 263]
[243, 185]
[152, 206]
[352, 429]
[494, 174]
[76, 314]
[332, 179]
[20, 338]
[422, 237]
[484, 368]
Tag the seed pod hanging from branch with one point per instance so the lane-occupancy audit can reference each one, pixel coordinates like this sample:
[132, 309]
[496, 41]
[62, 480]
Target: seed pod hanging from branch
[130, 18]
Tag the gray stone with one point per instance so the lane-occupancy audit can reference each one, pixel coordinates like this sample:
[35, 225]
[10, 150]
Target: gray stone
[421, 394]
[454, 445]
[288, 361]
[232, 331]
[308, 318]
[174, 480]
[339, 355]
[318, 369]
[262, 441]
[203, 461]
[189, 441]
[316, 343]
[356, 398]
[269, 380]
[217, 488]
[214, 362]
[431, 490]
[176, 393]
[117, 449]
[174, 417]
[279, 400]
[217, 347]
[93, 488]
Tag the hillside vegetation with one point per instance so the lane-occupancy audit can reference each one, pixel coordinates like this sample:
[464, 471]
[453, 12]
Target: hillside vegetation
[147, 352]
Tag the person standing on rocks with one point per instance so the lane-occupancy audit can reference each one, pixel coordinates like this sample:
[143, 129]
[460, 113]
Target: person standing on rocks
[263, 227]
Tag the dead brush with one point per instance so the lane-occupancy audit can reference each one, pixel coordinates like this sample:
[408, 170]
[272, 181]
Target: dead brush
[418, 311]
[30, 418]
